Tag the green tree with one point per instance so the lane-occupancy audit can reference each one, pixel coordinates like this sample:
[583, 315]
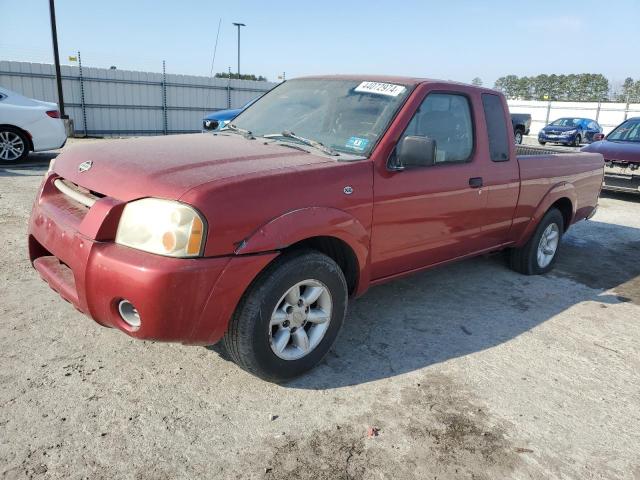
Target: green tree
[629, 91]
[244, 76]
[477, 81]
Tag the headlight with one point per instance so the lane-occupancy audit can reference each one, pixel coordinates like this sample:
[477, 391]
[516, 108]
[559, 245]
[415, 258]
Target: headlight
[52, 164]
[570, 132]
[160, 226]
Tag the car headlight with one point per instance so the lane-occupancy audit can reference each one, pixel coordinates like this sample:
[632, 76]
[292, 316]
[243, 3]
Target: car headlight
[52, 164]
[570, 132]
[163, 227]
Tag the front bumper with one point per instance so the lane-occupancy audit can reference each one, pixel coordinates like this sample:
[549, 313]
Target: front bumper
[179, 300]
[619, 179]
[557, 138]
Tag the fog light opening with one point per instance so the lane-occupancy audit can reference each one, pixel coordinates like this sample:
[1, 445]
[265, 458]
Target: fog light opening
[129, 314]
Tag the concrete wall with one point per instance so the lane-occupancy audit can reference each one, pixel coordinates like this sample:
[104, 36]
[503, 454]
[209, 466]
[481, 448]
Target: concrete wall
[608, 115]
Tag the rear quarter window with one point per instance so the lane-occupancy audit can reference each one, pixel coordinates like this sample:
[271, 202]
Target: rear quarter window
[497, 131]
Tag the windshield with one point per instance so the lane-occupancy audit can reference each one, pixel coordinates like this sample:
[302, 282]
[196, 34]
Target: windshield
[567, 122]
[628, 131]
[346, 116]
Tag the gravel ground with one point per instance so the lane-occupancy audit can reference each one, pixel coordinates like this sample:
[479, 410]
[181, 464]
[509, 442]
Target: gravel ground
[468, 371]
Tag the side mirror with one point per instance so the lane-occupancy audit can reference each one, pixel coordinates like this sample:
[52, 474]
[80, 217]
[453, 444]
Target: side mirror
[211, 124]
[598, 136]
[414, 151]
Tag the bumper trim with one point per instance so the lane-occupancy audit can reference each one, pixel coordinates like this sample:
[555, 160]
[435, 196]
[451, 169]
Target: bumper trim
[59, 277]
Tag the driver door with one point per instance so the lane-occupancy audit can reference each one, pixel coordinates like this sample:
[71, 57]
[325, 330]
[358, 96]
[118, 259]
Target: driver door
[430, 214]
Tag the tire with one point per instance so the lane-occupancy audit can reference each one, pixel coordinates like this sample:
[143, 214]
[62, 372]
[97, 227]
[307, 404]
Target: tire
[541, 142]
[518, 137]
[14, 145]
[526, 260]
[577, 141]
[252, 342]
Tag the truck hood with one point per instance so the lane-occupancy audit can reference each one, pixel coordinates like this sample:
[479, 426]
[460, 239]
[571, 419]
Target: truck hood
[168, 167]
[625, 151]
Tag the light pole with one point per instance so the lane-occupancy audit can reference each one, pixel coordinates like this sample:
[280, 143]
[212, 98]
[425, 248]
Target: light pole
[239, 25]
[56, 57]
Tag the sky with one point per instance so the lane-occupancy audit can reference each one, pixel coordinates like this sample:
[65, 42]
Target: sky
[455, 39]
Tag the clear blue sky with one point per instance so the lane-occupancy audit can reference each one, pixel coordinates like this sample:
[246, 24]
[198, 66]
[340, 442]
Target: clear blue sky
[456, 39]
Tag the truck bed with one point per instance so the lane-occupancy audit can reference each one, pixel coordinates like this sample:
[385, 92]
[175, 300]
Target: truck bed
[543, 169]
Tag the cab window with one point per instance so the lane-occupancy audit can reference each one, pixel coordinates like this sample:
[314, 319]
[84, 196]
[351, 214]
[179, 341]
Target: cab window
[445, 118]
[496, 127]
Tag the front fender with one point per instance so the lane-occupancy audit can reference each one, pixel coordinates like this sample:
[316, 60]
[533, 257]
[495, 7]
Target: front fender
[305, 223]
[555, 193]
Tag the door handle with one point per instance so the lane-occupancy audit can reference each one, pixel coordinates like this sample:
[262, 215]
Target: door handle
[475, 182]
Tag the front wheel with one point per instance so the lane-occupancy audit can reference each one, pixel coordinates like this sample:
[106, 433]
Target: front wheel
[539, 254]
[577, 141]
[289, 318]
[541, 142]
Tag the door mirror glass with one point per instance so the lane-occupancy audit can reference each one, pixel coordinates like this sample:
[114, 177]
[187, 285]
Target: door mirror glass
[211, 124]
[414, 151]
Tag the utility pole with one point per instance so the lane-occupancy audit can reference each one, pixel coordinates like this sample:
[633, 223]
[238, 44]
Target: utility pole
[237, 25]
[56, 57]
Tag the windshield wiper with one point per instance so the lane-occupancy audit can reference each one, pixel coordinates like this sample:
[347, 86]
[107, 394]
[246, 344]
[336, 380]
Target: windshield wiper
[306, 141]
[232, 128]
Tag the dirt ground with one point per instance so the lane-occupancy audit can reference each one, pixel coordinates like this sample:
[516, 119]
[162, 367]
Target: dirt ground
[468, 371]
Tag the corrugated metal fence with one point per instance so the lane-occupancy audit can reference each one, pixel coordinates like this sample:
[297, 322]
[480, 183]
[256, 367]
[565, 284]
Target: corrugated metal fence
[121, 102]
[608, 114]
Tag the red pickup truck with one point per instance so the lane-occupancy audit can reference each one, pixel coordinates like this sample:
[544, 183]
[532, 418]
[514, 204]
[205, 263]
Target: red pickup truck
[257, 235]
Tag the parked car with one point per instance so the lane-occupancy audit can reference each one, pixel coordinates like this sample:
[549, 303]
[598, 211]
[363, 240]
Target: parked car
[521, 123]
[621, 151]
[569, 131]
[259, 235]
[217, 120]
[28, 125]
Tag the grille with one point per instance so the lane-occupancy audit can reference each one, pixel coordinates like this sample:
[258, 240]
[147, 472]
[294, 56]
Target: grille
[76, 193]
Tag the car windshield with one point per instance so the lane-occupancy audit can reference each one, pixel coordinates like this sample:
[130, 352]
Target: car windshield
[566, 122]
[346, 116]
[628, 131]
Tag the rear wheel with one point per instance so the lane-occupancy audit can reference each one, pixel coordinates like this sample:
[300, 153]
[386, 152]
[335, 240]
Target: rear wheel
[14, 145]
[518, 137]
[539, 254]
[289, 318]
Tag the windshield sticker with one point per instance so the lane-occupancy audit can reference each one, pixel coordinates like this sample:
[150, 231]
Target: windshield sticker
[358, 144]
[380, 88]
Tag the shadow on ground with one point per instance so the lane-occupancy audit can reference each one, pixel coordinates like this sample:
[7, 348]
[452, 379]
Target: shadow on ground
[34, 164]
[474, 305]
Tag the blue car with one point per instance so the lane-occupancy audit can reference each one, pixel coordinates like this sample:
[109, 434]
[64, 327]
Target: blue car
[569, 131]
[217, 120]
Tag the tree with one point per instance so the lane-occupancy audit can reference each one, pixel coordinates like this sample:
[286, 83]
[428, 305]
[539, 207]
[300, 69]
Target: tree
[477, 81]
[584, 87]
[508, 85]
[244, 76]
[630, 90]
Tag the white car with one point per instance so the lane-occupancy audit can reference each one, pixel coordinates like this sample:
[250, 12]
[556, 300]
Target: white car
[28, 125]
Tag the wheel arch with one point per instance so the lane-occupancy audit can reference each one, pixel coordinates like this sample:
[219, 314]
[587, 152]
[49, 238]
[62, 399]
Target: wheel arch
[330, 231]
[561, 196]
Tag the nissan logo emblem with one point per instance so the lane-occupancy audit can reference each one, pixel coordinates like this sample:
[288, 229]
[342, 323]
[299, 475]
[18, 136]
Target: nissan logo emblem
[84, 166]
